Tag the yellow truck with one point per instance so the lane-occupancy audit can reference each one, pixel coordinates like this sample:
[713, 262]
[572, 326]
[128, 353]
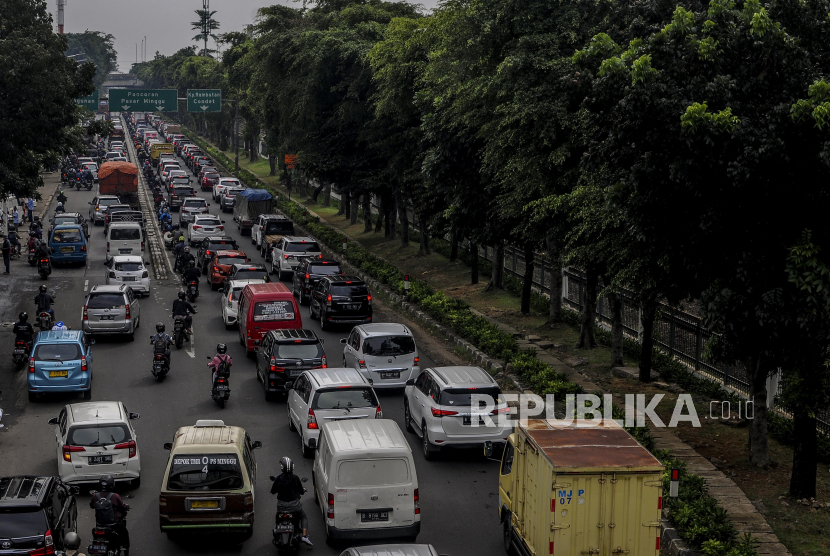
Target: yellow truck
[574, 491]
[157, 148]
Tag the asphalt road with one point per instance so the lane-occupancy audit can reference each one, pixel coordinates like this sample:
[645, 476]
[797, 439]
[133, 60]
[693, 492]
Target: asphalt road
[459, 491]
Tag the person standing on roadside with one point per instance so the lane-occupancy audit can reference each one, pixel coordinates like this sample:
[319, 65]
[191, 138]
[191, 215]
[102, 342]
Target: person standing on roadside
[7, 250]
[31, 208]
[16, 218]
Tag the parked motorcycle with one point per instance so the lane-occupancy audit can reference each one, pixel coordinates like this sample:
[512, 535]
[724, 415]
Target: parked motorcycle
[21, 353]
[179, 331]
[287, 532]
[44, 268]
[221, 389]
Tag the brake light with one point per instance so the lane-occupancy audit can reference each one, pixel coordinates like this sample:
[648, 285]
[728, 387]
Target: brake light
[312, 420]
[500, 410]
[220, 227]
[108, 246]
[196, 227]
[84, 366]
[67, 451]
[128, 312]
[417, 500]
[659, 502]
[142, 246]
[306, 276]
[286, 256]
[248, 502]
[324, 361]
[83, 248]
[417, 360]
[208, 253]
[328, 299]
[378, 413]
[85, 315]
[330, 511]
[31, 364]
[442, 412]
[369, 298]
[127, 445]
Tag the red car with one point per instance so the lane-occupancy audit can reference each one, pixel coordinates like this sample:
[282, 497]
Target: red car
[209, 179]
[220, 266]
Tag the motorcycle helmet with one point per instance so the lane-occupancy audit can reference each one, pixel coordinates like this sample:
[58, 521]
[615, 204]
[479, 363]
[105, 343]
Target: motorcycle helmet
[106, 483]
[286, 465]
[160, 327]
[42, 288]
[182, 295]
[72, 541]
[181, 238]
[186, 249]
[192, 264]
[60, 204]
[221, 349]
[24, 316]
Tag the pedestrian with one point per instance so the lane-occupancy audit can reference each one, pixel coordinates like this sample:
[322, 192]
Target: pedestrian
[6, 249]
[16, 218]
[31, 208]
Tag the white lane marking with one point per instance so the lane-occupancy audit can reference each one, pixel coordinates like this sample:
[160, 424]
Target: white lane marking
[86, 285]
[191, 351]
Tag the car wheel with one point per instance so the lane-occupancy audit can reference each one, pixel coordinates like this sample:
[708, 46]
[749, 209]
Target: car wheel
[508, 537]
[426, 447]
[33, 397]
[291, 426]
[88, 393]
[308, 453]
[135, 483]
[407, 416]
[323, 325]
[311, 314]
[212, 285]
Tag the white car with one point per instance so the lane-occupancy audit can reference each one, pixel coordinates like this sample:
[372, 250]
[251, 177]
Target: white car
[384, 352]
[129, 270]
[286, 254]
[321, 396]
[192, 207]
[175, 174]
[94, 439]
[204, 225]
[230, 299]
[224, 183]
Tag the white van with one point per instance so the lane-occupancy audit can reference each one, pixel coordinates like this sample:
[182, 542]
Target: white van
[125, 238]
[365, 481]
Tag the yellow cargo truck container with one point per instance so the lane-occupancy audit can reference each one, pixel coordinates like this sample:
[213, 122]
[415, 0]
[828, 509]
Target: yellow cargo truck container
[157, 148]
[576, 491]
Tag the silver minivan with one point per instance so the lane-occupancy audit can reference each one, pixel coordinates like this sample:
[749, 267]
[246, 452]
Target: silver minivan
[111, 310]
[385, 353]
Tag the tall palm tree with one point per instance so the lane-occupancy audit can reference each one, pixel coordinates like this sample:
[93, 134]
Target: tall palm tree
[205, 26]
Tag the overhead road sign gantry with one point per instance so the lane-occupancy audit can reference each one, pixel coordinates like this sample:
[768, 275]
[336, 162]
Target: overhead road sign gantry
[204, 100]
[144, 100]
[90, 102]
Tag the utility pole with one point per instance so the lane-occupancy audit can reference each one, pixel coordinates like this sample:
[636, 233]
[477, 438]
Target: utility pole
[61, 4]
[145, 49]
[236, 135]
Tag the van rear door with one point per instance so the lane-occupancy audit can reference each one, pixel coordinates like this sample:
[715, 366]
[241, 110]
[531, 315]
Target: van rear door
[374, 493]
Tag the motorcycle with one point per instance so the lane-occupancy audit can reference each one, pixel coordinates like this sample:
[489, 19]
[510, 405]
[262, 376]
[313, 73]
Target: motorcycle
[179, 331]
[44, 268]
[22, 349]
[192, 290]
[32, 257]
[105, 541]
[287, 532]
[88, 184]
[161, 362]
[44, 320]
[221, 389]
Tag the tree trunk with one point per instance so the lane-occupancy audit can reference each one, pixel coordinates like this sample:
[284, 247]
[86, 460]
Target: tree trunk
[454, 249]
[254, 144]
[317, 191]
[497, 273]
[615, 303]
[527, 285]
[556, 282]
[474, 256]
[587, 334]
[392, 220]
[423, 248]
[649, 311]
[355, 206]
[344, 203]
[327, 196]
[382, 213]
[400, 204]
[367, 213]
[805, 455]
[758, 440]
[272, 163]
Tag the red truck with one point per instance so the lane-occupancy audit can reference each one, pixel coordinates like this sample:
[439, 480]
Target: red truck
[119, 178]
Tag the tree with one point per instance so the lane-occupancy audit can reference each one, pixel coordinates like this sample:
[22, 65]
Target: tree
[205, 25]
[97, 48]
[39, 119]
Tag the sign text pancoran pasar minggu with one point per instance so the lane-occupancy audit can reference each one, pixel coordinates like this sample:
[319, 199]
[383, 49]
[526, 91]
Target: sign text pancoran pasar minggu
[143, 100]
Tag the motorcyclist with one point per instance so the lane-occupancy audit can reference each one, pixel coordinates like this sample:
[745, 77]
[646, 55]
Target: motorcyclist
[44, 302]
[178, 250]
[87, 176]
[165, 216]
[191, 274]
[288, 488]
[14, 241]
[23, 330]
[61, 197]
[182, 308]
[35, 228]
[79, 176]
[72, 544]
[119, 509]
[59, 208]
[220, 357]
[42, 251]
[160, 335]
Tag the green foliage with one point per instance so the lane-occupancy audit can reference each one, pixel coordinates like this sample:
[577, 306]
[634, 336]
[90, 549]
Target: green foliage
[96, 47]
[541, 378]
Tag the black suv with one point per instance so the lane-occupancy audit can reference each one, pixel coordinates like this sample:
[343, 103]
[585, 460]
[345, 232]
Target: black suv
[209, 246]
[282, 357]
[35, 515]
[341, 300]
[309, 272]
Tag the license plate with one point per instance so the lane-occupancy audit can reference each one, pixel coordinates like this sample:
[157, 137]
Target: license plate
[391, 374]
[294, 372]
[352, 306]
[128, 279]
[374, 516]
[285, 528]
[214, 504]
[98, 548]
[98, 460]
[125, 251]
[107, 317]
[208, 229]
[58, 373]
[468, 420]
[67, 249]
[19, 351]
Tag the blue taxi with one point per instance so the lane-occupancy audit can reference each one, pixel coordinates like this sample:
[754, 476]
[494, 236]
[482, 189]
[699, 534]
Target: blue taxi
[61, 361]
[68, 244]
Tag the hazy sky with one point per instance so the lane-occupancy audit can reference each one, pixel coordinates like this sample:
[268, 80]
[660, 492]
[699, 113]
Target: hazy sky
[165, 23]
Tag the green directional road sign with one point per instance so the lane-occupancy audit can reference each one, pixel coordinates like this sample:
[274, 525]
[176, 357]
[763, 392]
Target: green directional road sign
[144, 100]
[204, 100]
[90, 102]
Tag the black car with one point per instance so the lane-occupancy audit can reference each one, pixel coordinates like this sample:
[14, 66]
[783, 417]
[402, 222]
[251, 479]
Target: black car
[341, 300]
[249, 271]
[35, 515]
[177, 195]
[309, 272]
[209, 246]
[283, 355]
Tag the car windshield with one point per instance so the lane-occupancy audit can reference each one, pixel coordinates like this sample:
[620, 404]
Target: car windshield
[307, 247]
[195, 203]
[108, 202]
[299, 351]
[214, 246]
[57, 352]
[208, 222]
[325, 269]
[64, 220]
[128, 267]
[256, 274]
[205, 472]
[349, 291]
[279, 227]
[229, 183]
[372, 472]
[211, 175]
[18, 522]
[125, 234]
[389, 345]
[342, 398]
[72, 235]
[230, 259]
[182, 191]
[273, 310]
[105, 301]
[463, 396]
[233, 192]
[98, 435]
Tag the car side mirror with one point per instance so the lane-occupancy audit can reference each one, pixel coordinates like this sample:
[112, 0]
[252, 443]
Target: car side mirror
[256, 444]
[222, 220]
[488, 449]
[92, 342]
[168, 445]
[74, 490]
[272, 478]
[410, 382]
[53, 421]
[343, 340]
[304, 479]
[134, 416]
